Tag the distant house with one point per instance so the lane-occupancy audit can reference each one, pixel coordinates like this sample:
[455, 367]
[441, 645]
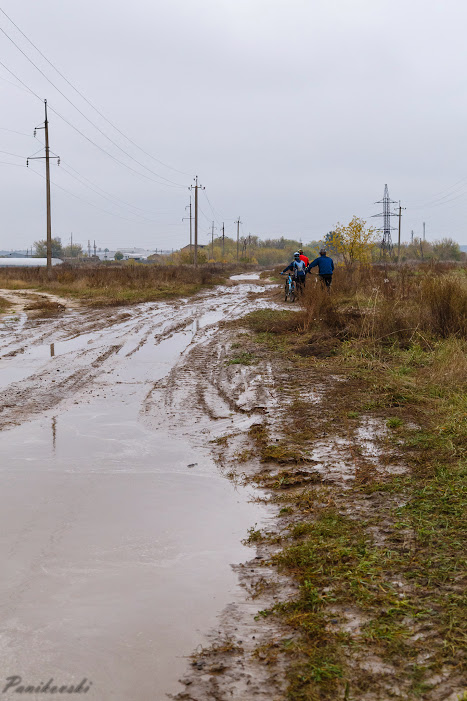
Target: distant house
[188, 249]
[135, 256]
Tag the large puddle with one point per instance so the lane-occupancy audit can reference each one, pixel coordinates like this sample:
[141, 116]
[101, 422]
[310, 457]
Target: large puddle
[116, 538]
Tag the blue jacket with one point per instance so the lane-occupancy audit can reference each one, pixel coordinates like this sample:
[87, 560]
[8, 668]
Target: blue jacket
[325, 265]
[298, 267]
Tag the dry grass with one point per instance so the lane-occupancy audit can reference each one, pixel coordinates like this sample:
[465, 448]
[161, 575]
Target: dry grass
[272, 321]
[4, 305]
[401, 347]
[112, 285]
[365, 304]
[45, 307]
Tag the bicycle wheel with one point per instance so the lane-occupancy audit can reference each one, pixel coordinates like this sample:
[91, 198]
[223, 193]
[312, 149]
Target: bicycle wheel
[286, 291]
[292, 292]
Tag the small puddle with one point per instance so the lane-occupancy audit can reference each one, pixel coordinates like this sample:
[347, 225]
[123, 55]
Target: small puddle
[116, 538]
[245, 276]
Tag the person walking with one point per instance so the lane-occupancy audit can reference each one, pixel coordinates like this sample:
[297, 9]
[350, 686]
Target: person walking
[325, 267]
[304, 258]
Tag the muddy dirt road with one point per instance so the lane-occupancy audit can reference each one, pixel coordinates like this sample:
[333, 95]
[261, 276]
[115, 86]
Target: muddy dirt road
[117, 530]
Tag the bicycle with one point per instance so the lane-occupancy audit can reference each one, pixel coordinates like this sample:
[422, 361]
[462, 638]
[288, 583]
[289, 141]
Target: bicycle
[290, 288]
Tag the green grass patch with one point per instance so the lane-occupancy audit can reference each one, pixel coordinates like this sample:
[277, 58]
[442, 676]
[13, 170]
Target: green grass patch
[244, 358]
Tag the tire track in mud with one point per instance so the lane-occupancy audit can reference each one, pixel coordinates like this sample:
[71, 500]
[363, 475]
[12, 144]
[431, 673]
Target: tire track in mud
[203, 388]
[96, 351]
[118, 337]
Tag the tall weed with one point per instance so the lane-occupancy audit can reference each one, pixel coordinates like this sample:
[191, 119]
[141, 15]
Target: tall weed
[388, 305]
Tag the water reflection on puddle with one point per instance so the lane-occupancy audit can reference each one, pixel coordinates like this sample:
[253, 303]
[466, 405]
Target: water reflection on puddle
[116, 553]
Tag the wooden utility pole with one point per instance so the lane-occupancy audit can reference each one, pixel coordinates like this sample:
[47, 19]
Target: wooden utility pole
[399, 235]
[196, 187]
[223, 241]
[212, 241]
[238, 222]
[47, 186]
[47, 177]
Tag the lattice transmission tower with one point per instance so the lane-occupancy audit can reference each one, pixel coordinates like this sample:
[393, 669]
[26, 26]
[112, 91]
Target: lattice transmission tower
[386, 242]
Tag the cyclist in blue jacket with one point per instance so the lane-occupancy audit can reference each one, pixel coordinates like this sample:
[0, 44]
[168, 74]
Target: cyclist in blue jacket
[325, 267]
[298, 269]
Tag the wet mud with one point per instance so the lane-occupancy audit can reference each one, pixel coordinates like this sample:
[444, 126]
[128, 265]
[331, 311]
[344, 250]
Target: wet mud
[118, 530]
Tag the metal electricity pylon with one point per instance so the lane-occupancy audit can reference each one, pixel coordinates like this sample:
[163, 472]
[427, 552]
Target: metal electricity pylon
[386, 242]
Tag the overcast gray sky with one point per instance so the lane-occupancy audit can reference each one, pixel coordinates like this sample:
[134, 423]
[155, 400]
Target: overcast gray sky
[293, 113]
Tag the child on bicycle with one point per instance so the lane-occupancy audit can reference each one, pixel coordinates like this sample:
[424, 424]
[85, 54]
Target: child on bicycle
[298, 268]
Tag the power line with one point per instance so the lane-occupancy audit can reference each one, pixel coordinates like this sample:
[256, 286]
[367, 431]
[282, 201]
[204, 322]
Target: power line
[216, 214]
[91, 204]
[125, 165]
[87, 118]
[11, 83]
[204, 215]
[7, 163]
[445, 199]
[111, 155]
[441, 194]
[117, 199]
[13, 131]
[92, 185]
[16, 155]
[90, 103]
[101, 195]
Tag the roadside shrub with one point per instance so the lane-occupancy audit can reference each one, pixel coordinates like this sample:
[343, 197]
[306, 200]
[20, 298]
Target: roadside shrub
[389, 304]
[319, 306]
[448, 367]
[443, 305]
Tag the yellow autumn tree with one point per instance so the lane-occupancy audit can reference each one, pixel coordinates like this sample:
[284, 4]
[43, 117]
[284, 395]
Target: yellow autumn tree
[353, 242]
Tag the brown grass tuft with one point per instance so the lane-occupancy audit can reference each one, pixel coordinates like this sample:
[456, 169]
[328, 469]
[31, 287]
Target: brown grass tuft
[116, 284]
